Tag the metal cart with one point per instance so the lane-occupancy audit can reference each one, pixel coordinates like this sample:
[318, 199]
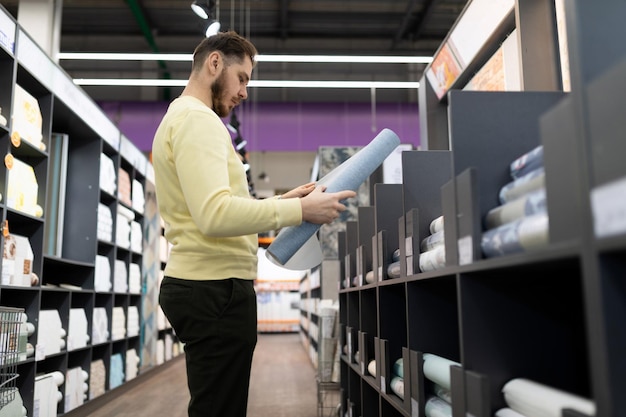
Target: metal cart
[328, 387]
[10, 322]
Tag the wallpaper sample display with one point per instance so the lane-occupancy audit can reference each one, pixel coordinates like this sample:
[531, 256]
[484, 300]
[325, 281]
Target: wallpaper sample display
[55, 202]
[77, 333]
[100, 326]
[50, 335]
[97, 378]
[102, 281]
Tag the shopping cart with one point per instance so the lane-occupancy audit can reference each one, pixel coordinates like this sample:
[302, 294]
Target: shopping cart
[328, 387]
[10, 322]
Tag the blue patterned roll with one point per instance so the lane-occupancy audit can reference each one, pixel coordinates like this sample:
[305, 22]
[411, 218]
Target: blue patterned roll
[532, 181]
[518, 236]
[528, 162]
[347, 176]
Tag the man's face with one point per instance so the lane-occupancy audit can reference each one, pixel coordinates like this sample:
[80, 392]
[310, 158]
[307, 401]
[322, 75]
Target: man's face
[229, 89]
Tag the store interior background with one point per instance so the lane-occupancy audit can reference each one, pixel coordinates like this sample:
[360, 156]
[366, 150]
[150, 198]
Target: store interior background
[283, 127]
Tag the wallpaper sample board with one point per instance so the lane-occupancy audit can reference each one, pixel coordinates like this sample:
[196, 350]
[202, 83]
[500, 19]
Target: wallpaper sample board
[132, 364]
[76, 388]
[120, 277]
[116, 375]
[97, 379]
[298, 247]
[100, 326]
[45, 396]
[77, 332]
[102, 274]
[118, 324]
[50, 336]
[108, 178]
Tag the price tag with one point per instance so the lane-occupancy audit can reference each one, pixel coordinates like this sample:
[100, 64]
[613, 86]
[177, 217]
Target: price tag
[40, 352]
[16, 139]
[414, 407]
[466, 252]
[409, 266]
[408, 243]
[608, 203]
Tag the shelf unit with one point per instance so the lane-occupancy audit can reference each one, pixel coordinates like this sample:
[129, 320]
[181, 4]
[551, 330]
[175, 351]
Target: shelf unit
[65, 240]
[552, 315]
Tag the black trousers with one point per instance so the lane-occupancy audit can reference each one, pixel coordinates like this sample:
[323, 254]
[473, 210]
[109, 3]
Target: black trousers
[217, 322]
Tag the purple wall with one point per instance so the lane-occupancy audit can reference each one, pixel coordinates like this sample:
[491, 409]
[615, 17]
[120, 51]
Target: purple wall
[284, 126]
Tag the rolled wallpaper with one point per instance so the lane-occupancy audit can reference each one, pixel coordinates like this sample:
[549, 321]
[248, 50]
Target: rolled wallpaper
[397, 386]
[529, 204]
[297, 247]
[437, 369]
[432, 241]
[436, 225]
[532, 181]
[534, 399]
[530, 161]
[507, 412]
[393, 270]
[436, 407]
[433, 259]
[518, 236]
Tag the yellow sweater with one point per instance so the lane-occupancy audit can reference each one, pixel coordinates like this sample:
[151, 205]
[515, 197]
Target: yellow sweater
[202, 194]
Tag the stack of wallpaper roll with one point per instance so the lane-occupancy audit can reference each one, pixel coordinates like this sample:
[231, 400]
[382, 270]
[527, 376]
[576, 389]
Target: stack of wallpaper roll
[133, 321]
[437, 371]
[136, 237]
[120, 277]
[77, 333]
[103, 274]
[105, 223]
[116, 375]
[124, 192]
[520, 222]
[432, 247]
[134, 279]
[24, 348]
[76, 387]
[118, 323]
[132, 364]
[47, 394]
[100, 325]
[97, 378]
[108, 179]
[50, 335]
[526, 398]
[122, 230]
[393, 269]
[397, 378]
[160, 352]
[138, 196]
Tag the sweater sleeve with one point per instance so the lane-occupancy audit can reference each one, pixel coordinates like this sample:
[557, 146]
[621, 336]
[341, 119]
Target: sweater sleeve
[214, 184]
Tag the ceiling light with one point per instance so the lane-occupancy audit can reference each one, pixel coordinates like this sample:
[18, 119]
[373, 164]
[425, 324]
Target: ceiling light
[143, 82]
[212, 28]
[365, 59]
[201, 8]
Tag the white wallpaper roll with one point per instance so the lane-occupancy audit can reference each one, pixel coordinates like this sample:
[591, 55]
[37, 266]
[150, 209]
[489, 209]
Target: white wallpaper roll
[437, 369]
[436, 407]
[298, 247]
[537, 400]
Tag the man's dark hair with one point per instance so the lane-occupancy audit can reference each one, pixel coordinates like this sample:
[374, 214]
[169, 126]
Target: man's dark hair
[231, 45]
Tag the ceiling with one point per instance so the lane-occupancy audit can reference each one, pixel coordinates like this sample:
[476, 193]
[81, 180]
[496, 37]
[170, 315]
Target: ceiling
[344, 27]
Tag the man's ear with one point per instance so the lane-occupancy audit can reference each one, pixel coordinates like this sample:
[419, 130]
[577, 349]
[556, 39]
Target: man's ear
[214, 61]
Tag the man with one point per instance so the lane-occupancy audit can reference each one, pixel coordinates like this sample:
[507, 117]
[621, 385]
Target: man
[212, 223]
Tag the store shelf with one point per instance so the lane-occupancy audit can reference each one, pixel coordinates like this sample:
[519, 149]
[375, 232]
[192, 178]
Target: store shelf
[55, 230]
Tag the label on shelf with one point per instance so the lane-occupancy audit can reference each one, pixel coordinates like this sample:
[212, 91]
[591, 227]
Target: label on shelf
[408, 244]
[466, 252]
[414, 407]
[608, 204]
[409, 266]
[7, 32]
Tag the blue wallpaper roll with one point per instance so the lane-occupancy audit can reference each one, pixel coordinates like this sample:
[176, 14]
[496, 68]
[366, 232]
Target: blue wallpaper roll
[297, 247]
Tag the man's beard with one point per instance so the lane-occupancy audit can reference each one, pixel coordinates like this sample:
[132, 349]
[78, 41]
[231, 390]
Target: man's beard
[217, 91]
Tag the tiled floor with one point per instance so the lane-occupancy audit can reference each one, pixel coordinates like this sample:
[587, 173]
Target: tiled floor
[282, 385]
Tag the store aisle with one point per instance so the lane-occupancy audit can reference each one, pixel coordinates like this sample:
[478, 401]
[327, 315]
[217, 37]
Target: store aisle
[282, 385]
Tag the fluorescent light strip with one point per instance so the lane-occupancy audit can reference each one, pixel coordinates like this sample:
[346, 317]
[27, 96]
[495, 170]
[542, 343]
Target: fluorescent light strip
[259, 58]
[252, 84]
